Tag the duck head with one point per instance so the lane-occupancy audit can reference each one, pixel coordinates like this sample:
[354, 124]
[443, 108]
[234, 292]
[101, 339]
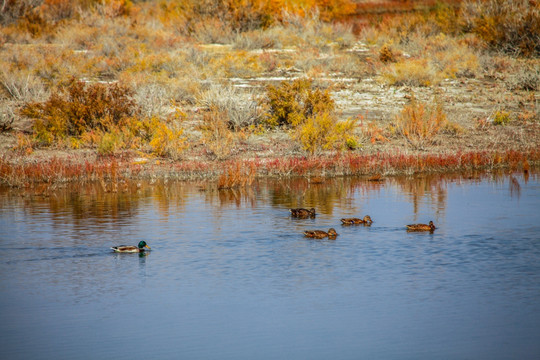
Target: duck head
[143, 244]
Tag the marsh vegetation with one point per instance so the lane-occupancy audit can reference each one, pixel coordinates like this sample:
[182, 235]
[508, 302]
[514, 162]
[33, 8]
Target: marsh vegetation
[237, 89]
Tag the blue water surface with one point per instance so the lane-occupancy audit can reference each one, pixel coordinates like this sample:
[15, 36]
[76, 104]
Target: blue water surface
[230, 275]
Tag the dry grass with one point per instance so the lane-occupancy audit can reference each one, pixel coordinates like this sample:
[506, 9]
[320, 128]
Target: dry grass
[241, 108]
[420, 123]
[237, 174]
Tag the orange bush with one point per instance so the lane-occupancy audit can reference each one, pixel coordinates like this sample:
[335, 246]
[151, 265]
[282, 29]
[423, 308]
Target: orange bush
[79, 107]
[419, 123]
[244, 15]
[509, 25]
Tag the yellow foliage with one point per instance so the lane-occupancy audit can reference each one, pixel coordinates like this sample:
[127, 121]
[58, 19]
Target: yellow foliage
[323, 132]
[501, 117]
[293, 102]
[168, 141]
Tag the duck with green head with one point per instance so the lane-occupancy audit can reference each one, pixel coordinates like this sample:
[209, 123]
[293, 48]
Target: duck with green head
[130, 248]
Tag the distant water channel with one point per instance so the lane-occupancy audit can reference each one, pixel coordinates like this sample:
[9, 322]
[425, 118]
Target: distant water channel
[230, 275]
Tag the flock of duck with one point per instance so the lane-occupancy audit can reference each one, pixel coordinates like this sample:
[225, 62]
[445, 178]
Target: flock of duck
[366, 221]
[300, 213]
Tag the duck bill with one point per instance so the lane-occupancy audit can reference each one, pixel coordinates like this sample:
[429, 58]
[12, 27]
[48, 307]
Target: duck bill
[148, 247]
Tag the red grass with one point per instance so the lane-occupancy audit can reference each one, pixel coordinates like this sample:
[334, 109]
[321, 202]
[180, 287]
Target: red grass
[57, 170]
[237, 173]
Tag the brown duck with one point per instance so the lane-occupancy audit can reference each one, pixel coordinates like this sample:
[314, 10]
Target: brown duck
[356, 221]
[319, 234]
[421, 227]
[302, 213]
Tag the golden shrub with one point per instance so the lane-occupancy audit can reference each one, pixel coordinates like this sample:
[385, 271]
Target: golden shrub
[293, 102]
[501, 117]
[323, 132]
[168, 141]
[79, 107]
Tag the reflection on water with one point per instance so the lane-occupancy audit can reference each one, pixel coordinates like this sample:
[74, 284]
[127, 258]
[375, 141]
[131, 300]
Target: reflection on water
[230, 274]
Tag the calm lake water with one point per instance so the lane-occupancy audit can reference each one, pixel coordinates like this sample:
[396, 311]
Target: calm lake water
[230, 275]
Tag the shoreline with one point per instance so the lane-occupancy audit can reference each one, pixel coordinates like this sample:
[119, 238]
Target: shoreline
[24, 172]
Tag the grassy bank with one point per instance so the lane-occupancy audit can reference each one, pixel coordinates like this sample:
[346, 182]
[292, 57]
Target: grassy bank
[116, 173]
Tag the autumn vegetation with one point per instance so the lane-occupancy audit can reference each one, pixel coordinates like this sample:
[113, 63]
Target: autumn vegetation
[231, 90]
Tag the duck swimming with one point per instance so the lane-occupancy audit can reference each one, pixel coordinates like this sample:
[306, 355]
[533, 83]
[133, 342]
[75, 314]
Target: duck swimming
[319, 234]
[356, 221]
[421, 227]
[302, 213]
[130, 248]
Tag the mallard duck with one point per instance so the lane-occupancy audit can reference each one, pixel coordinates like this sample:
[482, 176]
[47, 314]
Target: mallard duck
[130, 248]
[356, 221]
[319, 234]
[302, 213]
[421, 227]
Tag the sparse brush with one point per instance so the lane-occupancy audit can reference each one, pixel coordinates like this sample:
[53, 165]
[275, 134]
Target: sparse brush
[109, 142]
[22, 86]
[240, 108]
[509, 25]
[153, 99]
[375, 133]
[420, 123]
[255, 39]
[7, 116]
[24, 144]
[414, 72]
[525, 78]
[310, 113]
[217, 137]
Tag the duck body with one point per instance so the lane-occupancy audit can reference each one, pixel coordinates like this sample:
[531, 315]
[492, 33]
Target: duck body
[302, 213]
[356, 221]
[319, 234]
[421, 227]
[130, 248]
